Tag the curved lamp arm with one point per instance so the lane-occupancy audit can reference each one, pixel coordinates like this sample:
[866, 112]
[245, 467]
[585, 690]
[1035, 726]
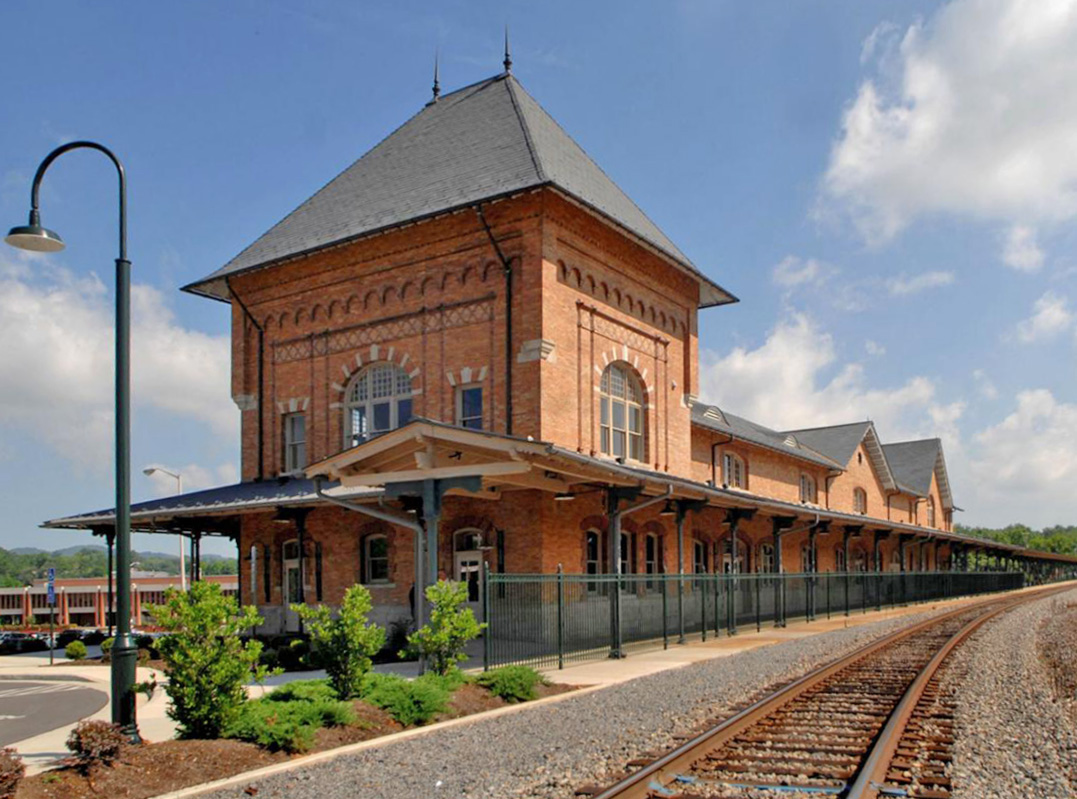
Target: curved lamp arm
[35, 218]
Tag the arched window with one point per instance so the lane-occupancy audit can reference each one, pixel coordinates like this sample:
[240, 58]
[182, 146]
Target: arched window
[807, 488]
[839, 559]
[377, 400]
[766, 557]
[621, 413]
[930, 511]
[593, 553]
[734, 475]
[699, 557]
[652, 557]
[376, 558]
[860, 501]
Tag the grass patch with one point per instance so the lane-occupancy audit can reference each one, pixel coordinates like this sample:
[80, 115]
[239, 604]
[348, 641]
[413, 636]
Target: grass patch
[287, 719]
[512, 683]
[410, 703]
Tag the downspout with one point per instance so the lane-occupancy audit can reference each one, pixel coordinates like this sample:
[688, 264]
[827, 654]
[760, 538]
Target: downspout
[616, 512]
[506, 265]
[261, 377]
[714, 458]
[400, 520]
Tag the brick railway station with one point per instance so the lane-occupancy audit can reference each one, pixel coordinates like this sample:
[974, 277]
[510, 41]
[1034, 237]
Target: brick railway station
[471, 355]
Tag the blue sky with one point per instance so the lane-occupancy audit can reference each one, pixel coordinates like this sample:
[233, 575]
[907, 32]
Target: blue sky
[887, 186]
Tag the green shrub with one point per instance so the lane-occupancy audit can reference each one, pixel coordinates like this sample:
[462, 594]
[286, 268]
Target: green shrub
[294, 655]
[451, 626]
[414, 702]
[303, 691]
[143, 656]
[76, 650]
[12, 771]
[511, 683]
[269, 658]
[95, 742]
[207, 663]
[288, 725]
[345, 644]
[106, 647]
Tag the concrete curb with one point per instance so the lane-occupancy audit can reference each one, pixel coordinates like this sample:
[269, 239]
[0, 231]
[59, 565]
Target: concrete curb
[385, 740]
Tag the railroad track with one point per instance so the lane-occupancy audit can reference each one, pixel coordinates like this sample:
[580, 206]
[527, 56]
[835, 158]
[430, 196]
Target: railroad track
[874, 723]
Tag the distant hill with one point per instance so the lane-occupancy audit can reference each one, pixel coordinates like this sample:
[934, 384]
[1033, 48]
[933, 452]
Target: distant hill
[22, 565]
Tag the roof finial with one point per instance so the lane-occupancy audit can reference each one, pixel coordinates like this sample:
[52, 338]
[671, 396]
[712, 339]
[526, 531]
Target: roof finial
[437, 85]
[508, 57]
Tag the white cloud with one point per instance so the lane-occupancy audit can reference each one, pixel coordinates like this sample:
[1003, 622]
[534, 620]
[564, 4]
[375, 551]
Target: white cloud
[1024, 468]
[195, 477]
[974, 113]
[56, 366]
[1020, 250]
[874, 348]
[1051, 316]
[793, 380]
[911, 284]
[793, 271]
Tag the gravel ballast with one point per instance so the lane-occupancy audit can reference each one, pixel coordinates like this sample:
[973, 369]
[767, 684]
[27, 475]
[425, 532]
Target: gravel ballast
[547, 751]
[1014, 737]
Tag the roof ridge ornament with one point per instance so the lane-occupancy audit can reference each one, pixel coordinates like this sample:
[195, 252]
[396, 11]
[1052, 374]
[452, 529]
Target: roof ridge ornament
[437, 84]
[508, 56]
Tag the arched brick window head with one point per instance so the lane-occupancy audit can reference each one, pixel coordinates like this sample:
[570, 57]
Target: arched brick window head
[621, 413]
[378, 399]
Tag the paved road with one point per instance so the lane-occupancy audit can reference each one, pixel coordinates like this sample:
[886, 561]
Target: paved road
[31, 708]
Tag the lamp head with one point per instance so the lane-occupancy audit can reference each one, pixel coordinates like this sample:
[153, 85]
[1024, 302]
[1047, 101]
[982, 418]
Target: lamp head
[149, 471]
[33, 237]
[564, 496]
[670, 509]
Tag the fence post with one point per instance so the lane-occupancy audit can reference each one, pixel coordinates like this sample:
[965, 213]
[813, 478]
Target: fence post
[560, 616]
[487, 636]
[717, 616]
[665, 610]
[758, 618]
[828, 595]
[703, 605]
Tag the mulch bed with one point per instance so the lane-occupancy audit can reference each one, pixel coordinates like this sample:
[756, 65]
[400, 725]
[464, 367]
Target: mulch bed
[156, 768]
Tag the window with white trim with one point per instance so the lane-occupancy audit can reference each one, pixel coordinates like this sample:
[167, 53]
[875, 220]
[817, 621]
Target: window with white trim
[651, 558]
[839, 559]
[621, 413]
[860, 501]
[378, 400]
[807, 488]
[469, 406]
[930, 511]
[376, 558]
[295, 442]
[699, 557]
[734, 474]
[766, 557]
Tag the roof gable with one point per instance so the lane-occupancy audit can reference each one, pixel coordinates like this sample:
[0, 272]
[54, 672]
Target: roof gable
[840, 442]
[479, 143]
[915, 462]
[714, 418]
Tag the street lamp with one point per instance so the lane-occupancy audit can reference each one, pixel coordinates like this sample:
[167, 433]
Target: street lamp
[149, 472]
[36, 238]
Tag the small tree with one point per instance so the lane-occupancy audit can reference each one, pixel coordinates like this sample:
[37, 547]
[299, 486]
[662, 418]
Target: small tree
[207, 663]
[344, 644]
[451, 626]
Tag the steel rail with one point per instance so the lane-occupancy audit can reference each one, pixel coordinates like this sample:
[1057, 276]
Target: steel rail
[654, 777]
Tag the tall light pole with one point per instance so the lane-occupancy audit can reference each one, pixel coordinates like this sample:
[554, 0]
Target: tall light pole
[36, 238]
[149, 472]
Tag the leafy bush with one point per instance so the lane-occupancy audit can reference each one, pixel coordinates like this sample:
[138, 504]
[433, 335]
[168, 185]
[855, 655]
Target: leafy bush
[451, 626]
[207, 663]
[106, 647]
[95, 742]
[143, 656]
[414, 702]
[288, 724]
[344, 644]
[76, 650]
[12, 771]
[144, 641]
[511, 683]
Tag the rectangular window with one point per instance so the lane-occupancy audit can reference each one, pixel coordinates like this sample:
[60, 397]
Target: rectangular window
[295, 442]
[377, 559]
[469, 407]
[699, 561]
[650, 559]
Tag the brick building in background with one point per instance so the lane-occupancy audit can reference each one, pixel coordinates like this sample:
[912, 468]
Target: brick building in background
[472, 350]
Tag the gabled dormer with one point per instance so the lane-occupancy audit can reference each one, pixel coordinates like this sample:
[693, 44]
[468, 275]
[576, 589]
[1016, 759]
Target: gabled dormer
[920, 467]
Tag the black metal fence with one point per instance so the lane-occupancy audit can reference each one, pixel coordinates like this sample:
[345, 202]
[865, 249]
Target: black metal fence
[553, 619]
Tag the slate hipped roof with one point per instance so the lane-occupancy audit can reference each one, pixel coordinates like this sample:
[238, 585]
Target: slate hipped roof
[483, 142]
[714, 418]
[838, 442]
[914, 462]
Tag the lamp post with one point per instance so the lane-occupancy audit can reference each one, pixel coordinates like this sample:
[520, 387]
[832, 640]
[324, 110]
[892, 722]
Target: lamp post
[36, 238]
[149, 472]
